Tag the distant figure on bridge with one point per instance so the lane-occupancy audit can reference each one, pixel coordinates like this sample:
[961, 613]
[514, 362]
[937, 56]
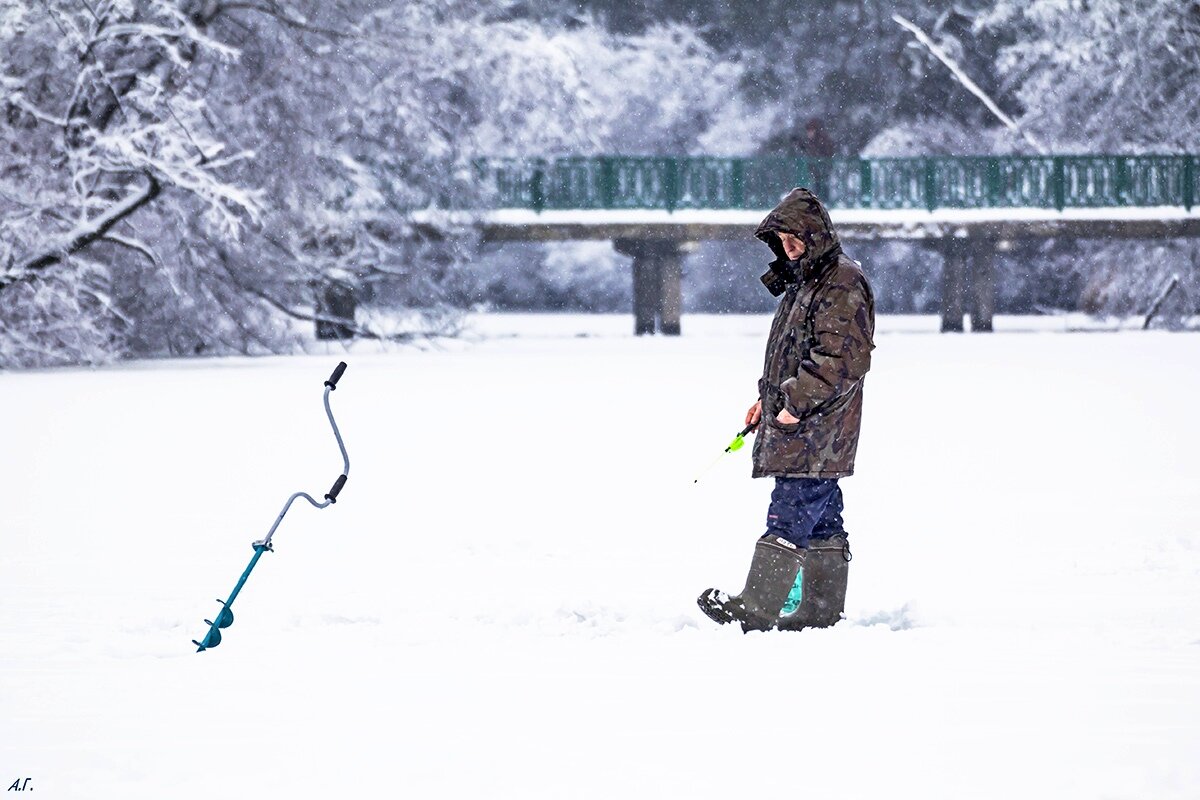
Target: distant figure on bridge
[817, 143]
[811, 141]
[807, 416]
[817, 146]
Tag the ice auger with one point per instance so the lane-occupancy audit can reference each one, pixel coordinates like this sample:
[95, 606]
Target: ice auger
[225, 616]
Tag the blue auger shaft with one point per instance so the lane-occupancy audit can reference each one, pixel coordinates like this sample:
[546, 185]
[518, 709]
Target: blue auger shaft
[258, 551]
[226, 612]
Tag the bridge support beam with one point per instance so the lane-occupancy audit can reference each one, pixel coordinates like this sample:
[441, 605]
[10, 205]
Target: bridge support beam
[968, 283]
[645, 294]
[954, 277]
[983, 285]
[657, 283]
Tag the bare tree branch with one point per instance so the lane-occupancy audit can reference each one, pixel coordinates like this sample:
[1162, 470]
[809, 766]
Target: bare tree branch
[82, 237]
[304, 316]
[136, 246]
[966, 81]
[274, 10]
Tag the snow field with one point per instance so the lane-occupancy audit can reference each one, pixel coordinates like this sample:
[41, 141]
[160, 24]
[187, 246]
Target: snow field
[502, 603]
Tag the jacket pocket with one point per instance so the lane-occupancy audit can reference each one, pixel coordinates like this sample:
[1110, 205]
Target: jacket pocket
[772, 421]
[785, 427]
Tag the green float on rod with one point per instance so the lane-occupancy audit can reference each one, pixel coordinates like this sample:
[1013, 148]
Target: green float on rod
[738, 442]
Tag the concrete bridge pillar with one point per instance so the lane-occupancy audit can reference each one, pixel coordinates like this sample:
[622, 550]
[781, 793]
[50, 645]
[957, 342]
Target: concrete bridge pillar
[983, 285]
[968, 283]
[657, 283]
[954, 276]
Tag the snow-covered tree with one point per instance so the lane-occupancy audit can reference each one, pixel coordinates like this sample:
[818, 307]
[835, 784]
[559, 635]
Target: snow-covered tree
[103, 143]
[204, 176]
[1111, 76]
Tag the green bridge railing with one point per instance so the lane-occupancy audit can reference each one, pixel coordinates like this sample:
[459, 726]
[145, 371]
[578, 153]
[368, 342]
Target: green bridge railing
[671, 183]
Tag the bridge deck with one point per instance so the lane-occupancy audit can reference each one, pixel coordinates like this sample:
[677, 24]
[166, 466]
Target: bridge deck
[966, 207]
[517, 224]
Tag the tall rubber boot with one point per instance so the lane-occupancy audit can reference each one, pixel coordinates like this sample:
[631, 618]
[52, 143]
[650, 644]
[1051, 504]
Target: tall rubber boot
[773, 572]
[818, 596]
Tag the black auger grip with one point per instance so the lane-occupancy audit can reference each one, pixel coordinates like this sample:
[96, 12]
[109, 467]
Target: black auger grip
[337, 487]
[337, 374]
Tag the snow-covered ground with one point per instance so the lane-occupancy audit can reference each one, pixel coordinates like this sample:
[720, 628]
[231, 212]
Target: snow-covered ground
[502, 603]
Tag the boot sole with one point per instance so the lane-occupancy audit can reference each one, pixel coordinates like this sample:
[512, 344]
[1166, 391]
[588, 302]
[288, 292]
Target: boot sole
[714, 612]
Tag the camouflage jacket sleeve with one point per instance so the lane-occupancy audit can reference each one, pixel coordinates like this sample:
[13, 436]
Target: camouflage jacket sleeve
[840, 355]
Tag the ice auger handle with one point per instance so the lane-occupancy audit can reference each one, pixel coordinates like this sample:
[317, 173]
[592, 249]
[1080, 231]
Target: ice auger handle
[336, 376]
[337, 487]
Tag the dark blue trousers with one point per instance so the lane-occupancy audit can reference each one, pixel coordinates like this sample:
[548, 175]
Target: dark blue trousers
[803, 509]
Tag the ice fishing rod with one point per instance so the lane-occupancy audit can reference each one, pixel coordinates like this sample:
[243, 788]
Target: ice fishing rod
[738, 442]
[225, 616]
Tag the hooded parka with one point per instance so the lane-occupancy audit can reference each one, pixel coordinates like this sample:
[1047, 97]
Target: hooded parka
[818, 352]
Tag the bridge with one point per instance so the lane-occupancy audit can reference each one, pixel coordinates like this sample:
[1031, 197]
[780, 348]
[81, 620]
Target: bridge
[655, 209]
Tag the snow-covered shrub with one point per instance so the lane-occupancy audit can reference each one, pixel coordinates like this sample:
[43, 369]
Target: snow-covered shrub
[937, 136]
[585, 91]
[575, 276]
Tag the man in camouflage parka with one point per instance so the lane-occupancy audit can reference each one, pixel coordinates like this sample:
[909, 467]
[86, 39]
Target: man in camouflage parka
[808, 416]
